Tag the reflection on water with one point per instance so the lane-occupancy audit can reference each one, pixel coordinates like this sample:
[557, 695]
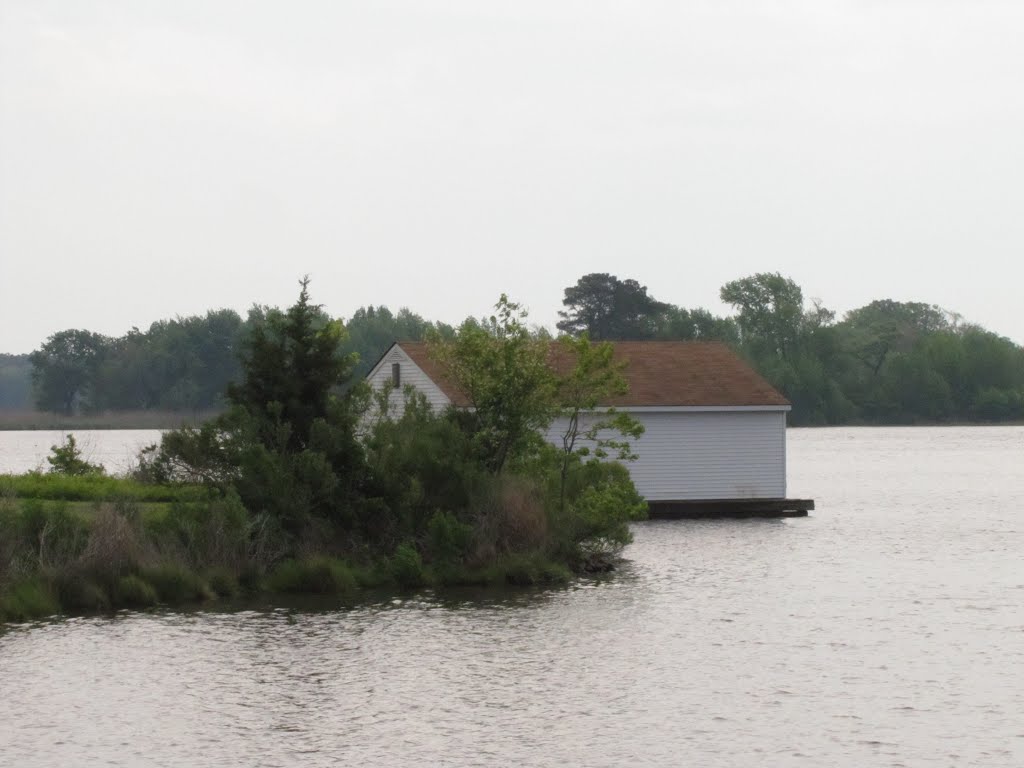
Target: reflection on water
[887, 629]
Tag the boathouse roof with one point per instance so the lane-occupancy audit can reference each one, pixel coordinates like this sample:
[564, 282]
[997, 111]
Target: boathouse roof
[659, 373]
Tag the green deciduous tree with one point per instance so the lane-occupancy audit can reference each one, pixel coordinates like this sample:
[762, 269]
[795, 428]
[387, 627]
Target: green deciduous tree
[771, 311]
[15, 381]
[699, 324]
[63, 370]
[501, 367]
[372, 330]
[590, 379]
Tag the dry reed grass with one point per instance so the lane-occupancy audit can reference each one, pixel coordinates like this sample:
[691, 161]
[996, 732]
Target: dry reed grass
[510, 518]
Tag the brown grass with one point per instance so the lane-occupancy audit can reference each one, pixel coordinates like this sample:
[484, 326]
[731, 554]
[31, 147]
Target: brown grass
[116, 544]
[510, 518]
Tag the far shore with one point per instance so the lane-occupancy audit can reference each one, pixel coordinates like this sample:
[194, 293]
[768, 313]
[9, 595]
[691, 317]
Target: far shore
[22, 420]
[16, 420]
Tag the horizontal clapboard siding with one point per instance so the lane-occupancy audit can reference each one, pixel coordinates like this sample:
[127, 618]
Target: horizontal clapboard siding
[716, 455]
[411, 375]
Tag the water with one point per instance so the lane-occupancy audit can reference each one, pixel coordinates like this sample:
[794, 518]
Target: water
[885, 630]
[115, 449]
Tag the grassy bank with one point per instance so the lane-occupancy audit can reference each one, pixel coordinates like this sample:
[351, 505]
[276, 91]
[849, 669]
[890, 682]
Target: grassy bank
[183, 545]
[148, 419]
[94, 488]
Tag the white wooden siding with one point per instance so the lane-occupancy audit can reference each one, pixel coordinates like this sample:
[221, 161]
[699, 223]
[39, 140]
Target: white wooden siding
[708, 455]
[411, 374]
[683, 454]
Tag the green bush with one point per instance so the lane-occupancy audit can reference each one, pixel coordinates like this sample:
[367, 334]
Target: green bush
[78, 592]
[223, 582]
[603, 501]
[511, 570]
[66, 459]
[30, 599]
[511, 516]
[317, 575]
[529, 570]
[55, 535]
[133, 592]
[407, 567]
[116, 546]
[204, 534]
[449, 539]
[422, 461]
[176, 584]
[375, 575]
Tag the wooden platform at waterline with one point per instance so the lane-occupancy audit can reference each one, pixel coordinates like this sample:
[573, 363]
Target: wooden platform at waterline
[699, 509]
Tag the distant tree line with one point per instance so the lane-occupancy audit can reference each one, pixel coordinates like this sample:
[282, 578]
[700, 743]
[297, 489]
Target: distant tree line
[184, 364]
[888, 362]
[15, 381]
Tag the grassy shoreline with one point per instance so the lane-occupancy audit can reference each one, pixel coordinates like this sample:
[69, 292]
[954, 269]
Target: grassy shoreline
[95, 545]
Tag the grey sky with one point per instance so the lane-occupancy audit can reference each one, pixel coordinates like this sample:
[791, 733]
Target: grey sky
[162, 158]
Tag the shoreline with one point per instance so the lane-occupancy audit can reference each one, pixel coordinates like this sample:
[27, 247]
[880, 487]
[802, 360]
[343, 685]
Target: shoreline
[36, 421]
[164, 420]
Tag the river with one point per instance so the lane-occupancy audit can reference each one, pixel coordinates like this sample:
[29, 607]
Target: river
[887, 629]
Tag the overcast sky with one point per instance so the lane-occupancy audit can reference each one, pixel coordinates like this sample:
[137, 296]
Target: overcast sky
[164, 158]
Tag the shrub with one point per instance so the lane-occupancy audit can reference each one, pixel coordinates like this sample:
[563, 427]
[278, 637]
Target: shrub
[510, 517]
[421, 461]
[66, 459]
[30, 599]
[449, 539]
[58, 536]
[177, 584]
[116, 546]
[78, 592]
[517, 569]
[407, 566]
[204, 534]
[528, 570]
[603, 504]
[223, 582]
[10, 543]
[133, 592]
[316, 575]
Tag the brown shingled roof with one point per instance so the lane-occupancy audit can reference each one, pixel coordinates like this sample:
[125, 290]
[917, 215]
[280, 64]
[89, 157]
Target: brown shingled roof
[660, 373]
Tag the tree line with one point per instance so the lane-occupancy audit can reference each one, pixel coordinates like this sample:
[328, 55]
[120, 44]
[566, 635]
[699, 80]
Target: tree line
[888, 362]
[182, 365]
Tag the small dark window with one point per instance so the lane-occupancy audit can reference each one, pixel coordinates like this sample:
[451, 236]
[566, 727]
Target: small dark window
[396, 375]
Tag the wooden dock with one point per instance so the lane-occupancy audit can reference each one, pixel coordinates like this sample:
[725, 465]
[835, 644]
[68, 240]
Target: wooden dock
[701, 509]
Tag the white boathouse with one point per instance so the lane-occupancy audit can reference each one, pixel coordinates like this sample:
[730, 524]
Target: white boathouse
[715, 430]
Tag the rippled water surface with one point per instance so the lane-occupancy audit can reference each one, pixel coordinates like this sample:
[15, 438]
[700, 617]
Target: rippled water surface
[116, 449]
[885, 630]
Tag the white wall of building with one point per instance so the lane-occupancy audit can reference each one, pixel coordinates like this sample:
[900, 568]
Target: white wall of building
[411, 374]
[684, 454]
[688, 455]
